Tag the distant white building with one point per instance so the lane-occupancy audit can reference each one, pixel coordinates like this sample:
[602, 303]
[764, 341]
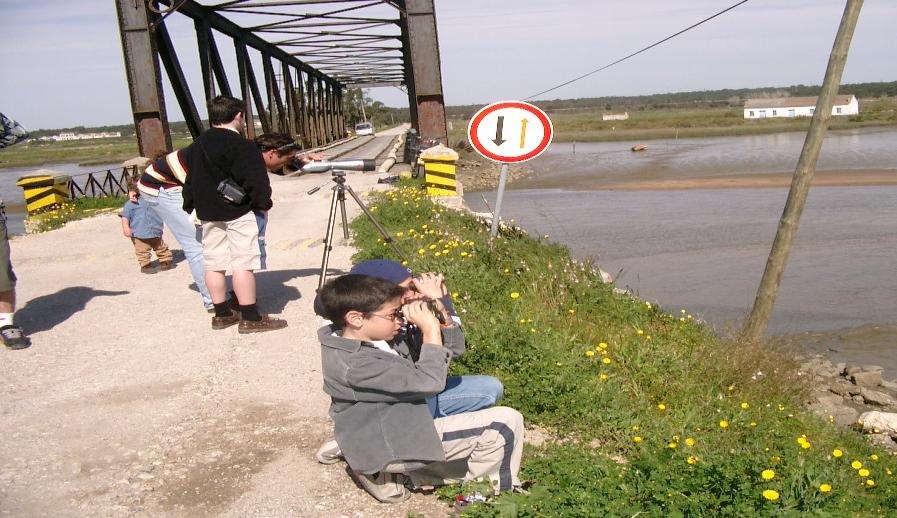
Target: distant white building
[797, 107]
[615, 116]
[82, 136]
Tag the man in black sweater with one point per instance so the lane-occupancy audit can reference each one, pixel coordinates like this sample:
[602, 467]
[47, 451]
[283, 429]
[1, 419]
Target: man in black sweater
[229, 230]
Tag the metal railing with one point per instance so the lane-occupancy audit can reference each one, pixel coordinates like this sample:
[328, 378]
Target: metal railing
[100, 184]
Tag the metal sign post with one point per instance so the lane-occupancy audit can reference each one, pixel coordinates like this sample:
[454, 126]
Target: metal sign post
[525, 129]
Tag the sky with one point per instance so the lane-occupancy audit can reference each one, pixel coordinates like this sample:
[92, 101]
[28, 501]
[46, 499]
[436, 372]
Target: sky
[62, 65]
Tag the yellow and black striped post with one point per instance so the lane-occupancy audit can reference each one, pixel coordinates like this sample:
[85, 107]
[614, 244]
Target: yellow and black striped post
[439, 171]
[44, 190]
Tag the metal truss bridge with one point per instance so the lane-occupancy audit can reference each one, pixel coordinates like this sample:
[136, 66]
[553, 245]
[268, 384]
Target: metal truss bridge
[289, 60]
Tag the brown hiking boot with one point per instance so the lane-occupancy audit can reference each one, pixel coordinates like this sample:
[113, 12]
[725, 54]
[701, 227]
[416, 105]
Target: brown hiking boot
[260, 326]
[168, 265]
[149, 269]
[224, 322]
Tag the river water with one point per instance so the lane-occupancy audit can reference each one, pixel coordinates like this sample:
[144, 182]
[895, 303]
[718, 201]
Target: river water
[14, 199]
[704, 250]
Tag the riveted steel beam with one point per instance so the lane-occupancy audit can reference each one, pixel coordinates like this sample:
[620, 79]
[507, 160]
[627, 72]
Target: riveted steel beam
[423, 44]
[144, 77]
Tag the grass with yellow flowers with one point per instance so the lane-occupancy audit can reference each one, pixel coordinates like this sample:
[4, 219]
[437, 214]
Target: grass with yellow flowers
[653, 413]
[58, 215]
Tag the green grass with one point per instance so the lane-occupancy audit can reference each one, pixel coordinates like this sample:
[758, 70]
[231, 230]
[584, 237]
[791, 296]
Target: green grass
[585, 125]
[592, 367]
[86, 152]
[81, 208]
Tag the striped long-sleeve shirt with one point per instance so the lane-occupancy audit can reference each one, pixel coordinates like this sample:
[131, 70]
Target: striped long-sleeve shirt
[168, 172]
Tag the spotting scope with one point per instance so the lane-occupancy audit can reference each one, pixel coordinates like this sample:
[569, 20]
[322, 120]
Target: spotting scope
[345, 165]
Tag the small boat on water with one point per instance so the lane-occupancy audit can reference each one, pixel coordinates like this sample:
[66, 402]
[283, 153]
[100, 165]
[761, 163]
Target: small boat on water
[639, 147]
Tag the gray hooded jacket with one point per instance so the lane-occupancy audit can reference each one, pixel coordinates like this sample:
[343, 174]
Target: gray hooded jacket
[378, 399]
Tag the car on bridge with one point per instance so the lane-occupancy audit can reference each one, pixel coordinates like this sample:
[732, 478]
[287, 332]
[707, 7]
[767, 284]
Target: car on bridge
[364, 128]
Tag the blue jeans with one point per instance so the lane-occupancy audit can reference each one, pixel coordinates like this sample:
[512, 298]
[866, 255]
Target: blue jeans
[169, 205]
[465, 394]
[261, 218]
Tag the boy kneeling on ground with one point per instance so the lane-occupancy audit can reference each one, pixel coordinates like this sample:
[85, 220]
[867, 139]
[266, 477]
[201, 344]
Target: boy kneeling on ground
[378, 398]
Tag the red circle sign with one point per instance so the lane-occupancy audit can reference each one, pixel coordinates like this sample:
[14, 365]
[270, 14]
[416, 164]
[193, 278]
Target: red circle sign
[510, 131]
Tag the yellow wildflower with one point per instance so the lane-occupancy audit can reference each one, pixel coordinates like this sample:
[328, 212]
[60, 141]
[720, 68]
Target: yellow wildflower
[856, 464]
[590, 353]
[824, 488]
[836, 453]
[873, 457]
[636, 439]
[515, 295]
[661, 407]
[870, 483]
[745, 406]
[692, 459]
[689, 441]
[639, 332]
[771, 495]
[606, 361]
[724, 424]
[768, 474]
[602, 377]
[863, 472]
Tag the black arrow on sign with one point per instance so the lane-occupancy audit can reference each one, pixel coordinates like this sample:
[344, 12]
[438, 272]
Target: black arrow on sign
[498, 129]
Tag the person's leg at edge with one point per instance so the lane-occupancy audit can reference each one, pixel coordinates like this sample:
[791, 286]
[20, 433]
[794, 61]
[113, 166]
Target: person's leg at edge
[12, 335]
[7, 306]
[168, 205]
[465, 394]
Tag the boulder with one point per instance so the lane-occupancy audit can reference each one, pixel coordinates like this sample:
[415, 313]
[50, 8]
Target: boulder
[890, 385]
[844, 388]
[850, 370]
[874, 397]
[884, 422]
[830, 405]
[866, 378]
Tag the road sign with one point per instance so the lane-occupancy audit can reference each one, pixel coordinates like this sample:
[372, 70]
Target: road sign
[510, 132]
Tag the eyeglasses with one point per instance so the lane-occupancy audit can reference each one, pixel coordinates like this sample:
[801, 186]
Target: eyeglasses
[392, 317]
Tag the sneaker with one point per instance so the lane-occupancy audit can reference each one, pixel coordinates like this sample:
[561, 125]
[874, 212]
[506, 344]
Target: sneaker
[14, 338]
[329, 453]
[388, 488]
[168, 265]
[260, 326]
[148, 269]
[225, 322]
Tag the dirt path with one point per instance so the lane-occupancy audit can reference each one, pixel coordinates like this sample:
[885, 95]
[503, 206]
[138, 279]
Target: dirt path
[128, 404]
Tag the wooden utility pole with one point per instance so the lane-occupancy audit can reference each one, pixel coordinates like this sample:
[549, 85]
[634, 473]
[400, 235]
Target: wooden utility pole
[803, 175]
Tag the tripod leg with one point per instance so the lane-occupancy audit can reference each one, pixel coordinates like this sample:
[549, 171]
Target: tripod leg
[328, 239]
[386, 237]
[342, 208]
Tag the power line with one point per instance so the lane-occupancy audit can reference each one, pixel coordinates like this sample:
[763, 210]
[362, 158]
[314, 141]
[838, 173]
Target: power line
[638, 52]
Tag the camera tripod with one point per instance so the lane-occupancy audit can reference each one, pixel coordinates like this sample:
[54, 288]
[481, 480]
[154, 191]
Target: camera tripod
[339, 199]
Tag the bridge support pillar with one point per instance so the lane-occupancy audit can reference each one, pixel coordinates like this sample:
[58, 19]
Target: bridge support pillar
[144, 77]
[425, 81]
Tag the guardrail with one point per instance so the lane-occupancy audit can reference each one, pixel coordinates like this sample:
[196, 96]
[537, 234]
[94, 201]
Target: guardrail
[111, 184]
